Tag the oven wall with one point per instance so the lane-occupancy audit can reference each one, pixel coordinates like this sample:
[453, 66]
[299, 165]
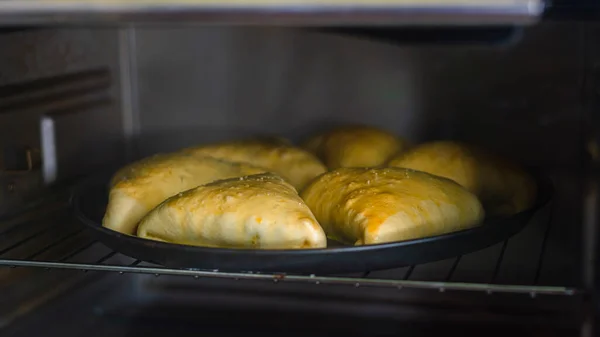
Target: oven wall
[59, 100]
[525, 100]
[68, 78]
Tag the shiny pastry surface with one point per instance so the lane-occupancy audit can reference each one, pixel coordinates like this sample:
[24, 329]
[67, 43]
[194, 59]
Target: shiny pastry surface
[376, 205]
[259, 211]
[503, 187]
[355, 146]
[140, 186]
[294, 164]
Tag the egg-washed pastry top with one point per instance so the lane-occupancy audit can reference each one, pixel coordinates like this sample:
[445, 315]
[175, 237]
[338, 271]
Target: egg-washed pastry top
[503, 187]
[355, 146]
[377, 205]
[294, 164]
[260, 211]
[142, 185]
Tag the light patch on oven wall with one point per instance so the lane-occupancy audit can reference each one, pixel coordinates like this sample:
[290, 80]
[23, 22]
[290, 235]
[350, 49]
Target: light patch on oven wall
[60, 114]
[22, 104]
[74, 115]
[48, 140]
[78, 139]
[44, 70]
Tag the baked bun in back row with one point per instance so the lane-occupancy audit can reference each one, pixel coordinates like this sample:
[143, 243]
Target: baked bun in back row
[503, 186]
[294, 164]
[354, 146]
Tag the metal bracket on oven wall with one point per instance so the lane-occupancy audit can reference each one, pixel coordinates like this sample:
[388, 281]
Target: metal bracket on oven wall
[48, 141]
[69, 138]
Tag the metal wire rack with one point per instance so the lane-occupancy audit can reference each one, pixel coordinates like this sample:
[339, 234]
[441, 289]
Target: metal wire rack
[50, 239]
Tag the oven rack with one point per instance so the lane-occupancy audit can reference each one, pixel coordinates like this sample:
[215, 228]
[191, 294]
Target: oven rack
[49, 239]
[135, 267]
[263, 12]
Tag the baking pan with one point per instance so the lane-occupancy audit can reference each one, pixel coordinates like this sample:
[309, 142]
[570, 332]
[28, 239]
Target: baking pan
[89, 202]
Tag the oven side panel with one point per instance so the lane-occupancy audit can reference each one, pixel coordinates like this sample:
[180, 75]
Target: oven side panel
[60, 98]
[60, 107]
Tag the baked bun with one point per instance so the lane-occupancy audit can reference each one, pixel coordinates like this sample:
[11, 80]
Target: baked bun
[355, 146]
[376, 205]
[140, 186]
[503, 187]
[260, 211]
[295, 165]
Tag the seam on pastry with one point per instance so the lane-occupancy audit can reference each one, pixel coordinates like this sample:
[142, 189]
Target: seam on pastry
[154, 237]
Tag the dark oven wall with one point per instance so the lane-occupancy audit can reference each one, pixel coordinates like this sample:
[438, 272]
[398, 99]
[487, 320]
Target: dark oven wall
[59, 105]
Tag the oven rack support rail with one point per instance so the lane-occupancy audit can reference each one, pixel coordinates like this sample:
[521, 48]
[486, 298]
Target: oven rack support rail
[533, 291]
[263, 12]
[140, 267]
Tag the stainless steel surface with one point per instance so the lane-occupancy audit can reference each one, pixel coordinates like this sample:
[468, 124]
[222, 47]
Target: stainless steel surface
[307, 12]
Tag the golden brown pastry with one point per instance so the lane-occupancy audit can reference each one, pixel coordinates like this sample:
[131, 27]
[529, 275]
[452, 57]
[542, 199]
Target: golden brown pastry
[376, 205]
[140, 186]
[503, 187]
[355, 146]
[295, 165]
[260, 211]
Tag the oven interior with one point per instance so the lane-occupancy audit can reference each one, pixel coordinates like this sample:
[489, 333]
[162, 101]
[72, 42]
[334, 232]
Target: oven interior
[76, 101]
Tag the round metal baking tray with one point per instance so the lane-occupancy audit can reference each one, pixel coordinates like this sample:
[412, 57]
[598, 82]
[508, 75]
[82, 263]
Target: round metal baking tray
[89, 202]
